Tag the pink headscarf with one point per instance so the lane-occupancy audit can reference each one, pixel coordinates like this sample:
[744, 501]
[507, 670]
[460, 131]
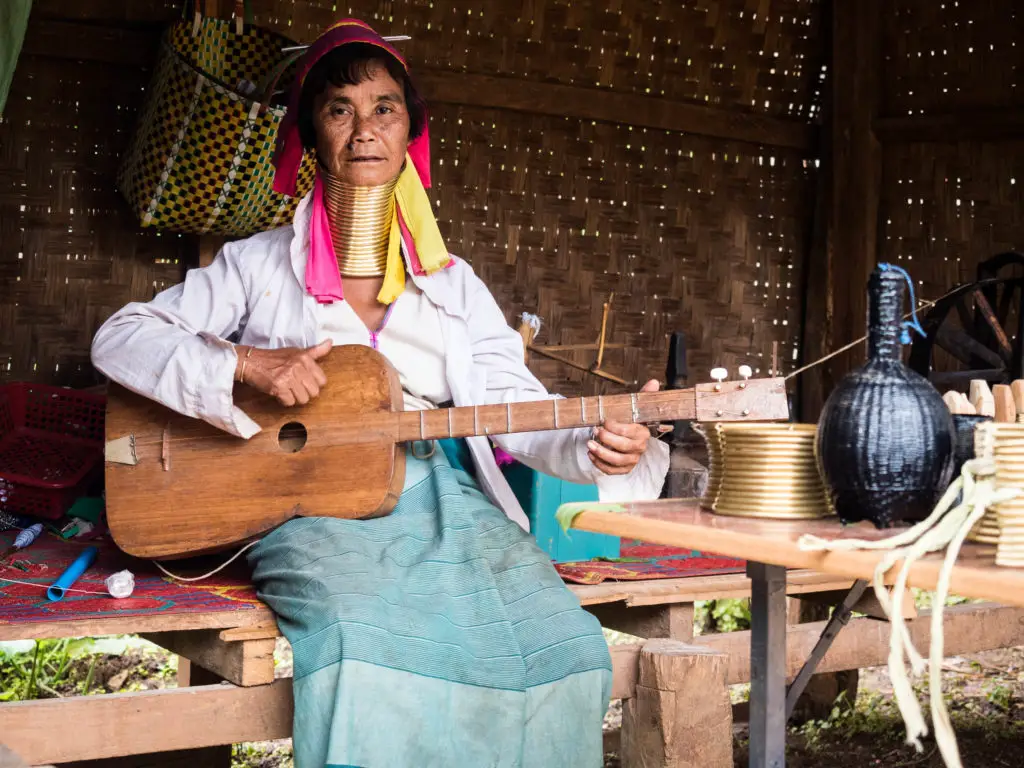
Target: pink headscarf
[288, 153]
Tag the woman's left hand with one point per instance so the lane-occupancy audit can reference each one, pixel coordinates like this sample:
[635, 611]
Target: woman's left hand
[617, 447]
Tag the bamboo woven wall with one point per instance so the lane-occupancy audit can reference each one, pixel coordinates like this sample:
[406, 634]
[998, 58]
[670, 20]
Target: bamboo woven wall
[554, 208]
[947, 205]
[70, 253]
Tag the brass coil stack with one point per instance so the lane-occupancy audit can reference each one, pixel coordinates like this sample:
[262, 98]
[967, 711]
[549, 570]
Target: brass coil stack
[764, 470]
[360, 222]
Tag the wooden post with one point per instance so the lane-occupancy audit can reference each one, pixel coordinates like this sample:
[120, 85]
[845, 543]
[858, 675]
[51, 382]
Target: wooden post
[856, 159]
[844, 242]
[190, 674]
[680, 715]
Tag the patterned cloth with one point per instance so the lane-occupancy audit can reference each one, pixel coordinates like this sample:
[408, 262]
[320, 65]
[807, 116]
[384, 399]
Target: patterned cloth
[439, 635]
[638, 561]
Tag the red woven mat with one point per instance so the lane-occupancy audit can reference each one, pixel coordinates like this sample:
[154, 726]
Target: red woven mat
[639, 561]
[42, 562]
[231, 590]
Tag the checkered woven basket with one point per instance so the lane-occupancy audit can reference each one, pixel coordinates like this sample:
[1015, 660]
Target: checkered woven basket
[200, 159]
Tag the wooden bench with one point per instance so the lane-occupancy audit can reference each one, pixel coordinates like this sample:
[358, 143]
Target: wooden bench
[228, 693]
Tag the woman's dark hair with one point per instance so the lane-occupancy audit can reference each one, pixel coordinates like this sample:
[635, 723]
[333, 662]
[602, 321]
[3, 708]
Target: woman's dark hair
[350, 65]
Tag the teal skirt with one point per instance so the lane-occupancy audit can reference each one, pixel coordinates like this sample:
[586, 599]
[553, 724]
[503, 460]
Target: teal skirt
[440, 635]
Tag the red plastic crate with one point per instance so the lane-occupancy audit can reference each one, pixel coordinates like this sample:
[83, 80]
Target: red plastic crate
[51, 446]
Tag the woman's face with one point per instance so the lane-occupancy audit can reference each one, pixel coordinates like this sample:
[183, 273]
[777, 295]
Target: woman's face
[362, 131]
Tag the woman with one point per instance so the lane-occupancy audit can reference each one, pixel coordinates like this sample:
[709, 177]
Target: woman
[439, 635]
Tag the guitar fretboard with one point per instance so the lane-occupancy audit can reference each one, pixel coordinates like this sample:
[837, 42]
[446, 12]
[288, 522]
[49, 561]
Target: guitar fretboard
[538, 415]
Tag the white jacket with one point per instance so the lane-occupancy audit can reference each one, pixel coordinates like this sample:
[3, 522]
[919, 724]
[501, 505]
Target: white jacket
[174, 350]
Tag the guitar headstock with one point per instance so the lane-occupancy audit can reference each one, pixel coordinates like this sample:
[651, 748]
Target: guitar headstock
[744, 399]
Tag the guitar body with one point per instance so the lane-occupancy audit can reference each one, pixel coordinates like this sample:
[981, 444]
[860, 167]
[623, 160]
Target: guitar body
[195, 489]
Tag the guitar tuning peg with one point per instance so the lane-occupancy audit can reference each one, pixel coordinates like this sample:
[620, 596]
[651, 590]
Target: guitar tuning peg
[719, 374]
[746, 372]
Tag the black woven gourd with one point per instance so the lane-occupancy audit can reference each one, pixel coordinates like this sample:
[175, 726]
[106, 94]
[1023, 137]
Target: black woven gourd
[885, 437]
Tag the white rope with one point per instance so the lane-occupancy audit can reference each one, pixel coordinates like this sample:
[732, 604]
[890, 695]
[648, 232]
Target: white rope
[219, 568]
[946, 528]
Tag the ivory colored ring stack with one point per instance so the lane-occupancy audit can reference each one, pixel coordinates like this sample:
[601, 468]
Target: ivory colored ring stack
[1004, 443]
[765, 470]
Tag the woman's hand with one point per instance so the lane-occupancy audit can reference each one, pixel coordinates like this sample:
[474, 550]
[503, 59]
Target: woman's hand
[617, 447]
[289, 374]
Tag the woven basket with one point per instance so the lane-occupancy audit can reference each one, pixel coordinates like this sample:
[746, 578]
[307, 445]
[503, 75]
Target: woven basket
[200, 159]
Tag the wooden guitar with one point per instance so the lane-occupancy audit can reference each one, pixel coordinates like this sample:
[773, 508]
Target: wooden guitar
[177, 486]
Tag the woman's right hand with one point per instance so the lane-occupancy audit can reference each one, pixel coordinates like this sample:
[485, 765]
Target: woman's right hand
[289, 374]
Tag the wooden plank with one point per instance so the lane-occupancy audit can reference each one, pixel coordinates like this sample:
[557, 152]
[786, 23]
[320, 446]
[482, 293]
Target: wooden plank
[245, 663]
[689, 589]
[259, 615]
[856, 171]
[163, 720]
[209, 757]
[90, 42]
[447, 87]
[1005, 123]
[258, 632]
[681, 523]
[864, 642]
[673, 621]
[967, 628]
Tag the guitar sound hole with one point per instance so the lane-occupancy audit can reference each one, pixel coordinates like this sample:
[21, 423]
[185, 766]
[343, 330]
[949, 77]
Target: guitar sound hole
[292, 437]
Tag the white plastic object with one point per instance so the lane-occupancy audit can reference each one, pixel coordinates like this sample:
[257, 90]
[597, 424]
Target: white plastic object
[121, 584]
[746, 371]
[719, 374]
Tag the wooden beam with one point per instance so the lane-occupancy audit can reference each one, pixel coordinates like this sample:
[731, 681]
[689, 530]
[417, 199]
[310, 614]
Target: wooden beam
[447, 87]
[254, 615]
[112, 725]
[674, 620]
[245, 663]
[856, 170]
[864, 642]
[690, 589]
[976, 125]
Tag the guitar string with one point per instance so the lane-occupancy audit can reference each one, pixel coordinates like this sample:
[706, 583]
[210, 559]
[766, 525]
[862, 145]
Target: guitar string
[862, 339]
[665, 397]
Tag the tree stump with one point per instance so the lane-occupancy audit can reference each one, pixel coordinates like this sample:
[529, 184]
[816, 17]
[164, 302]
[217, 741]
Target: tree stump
[681, 715]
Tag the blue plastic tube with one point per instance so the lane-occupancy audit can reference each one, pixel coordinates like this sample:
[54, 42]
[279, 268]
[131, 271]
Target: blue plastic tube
[76, 569]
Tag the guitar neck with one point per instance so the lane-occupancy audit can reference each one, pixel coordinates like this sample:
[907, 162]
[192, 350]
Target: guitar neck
[538, 415]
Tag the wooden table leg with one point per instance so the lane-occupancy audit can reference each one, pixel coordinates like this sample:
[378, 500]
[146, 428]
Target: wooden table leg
[767, 665]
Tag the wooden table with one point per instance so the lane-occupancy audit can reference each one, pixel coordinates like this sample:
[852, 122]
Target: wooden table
[769, 547]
